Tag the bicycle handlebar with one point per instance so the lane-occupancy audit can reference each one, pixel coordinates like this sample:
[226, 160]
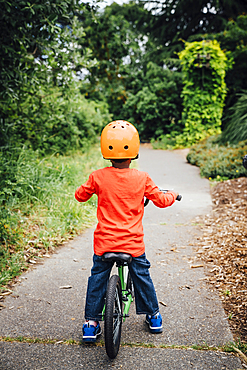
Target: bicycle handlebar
[179, 197]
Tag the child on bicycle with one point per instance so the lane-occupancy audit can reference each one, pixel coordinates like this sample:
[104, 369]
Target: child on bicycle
[120, 210]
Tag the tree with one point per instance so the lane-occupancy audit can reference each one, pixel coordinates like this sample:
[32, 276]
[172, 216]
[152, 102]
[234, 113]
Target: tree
[41, 105]
[115, 44]
[233, 39]
[204, 66]
[236, 126]
[173, 20]
[27, 29]
[154, 105]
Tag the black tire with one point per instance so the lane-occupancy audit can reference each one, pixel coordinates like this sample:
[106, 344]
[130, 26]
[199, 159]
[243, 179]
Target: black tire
[129, 285]
[113, 316]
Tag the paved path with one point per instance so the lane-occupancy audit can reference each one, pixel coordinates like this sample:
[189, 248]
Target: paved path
[192, 311]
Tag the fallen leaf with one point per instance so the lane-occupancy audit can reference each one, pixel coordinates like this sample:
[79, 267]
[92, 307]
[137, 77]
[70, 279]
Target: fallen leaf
[163, 304]
[196, 266]
[65, 287]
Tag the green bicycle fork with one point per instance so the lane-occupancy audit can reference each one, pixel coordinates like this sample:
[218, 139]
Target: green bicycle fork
[127, 298]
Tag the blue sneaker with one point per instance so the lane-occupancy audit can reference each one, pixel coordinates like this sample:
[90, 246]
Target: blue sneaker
[155, 323]
[90, 332]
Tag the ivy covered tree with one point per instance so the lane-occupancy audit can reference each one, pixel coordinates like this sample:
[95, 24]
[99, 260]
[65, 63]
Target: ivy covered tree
[204, 66]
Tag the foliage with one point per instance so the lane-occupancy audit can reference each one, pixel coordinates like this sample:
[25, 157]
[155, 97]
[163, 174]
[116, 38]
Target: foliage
[170, 21]
[28, 31]
[216, 161]
[236, 127]
[134, 87]
[37, 206]
[164, 142]
[41, 105]
[233, 39]
[155, 106]
[204, 65]
[53, 119]
[116, 45]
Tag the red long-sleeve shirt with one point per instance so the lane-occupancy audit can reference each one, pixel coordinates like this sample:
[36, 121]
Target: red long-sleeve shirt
[120, 209]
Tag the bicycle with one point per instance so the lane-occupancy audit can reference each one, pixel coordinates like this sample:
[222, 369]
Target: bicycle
[119, 296]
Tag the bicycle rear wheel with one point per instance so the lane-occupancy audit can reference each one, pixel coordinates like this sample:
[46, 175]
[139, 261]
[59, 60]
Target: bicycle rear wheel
[113, 316]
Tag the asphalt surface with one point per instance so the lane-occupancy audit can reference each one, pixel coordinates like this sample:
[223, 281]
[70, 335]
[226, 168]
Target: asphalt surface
[192, 311]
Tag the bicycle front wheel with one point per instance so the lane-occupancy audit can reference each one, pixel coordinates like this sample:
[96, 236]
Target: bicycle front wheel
[113, 316]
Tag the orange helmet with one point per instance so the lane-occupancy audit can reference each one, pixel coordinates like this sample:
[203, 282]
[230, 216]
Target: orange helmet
[120, 140]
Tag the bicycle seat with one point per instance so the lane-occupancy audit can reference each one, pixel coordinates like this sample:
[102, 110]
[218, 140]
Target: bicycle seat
[117, 257]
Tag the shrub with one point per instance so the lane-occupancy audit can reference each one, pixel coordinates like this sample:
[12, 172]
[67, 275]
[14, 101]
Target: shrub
[217, 161]
[53, 120]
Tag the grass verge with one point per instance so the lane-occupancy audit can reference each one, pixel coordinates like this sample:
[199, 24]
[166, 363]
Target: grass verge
[38, 209]
[231, 347]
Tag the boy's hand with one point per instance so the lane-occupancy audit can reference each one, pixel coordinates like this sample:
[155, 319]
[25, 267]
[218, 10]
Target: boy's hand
[174, 192]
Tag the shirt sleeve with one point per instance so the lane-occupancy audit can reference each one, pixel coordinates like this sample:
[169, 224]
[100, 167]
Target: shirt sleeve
[85, 191]
[159, 199]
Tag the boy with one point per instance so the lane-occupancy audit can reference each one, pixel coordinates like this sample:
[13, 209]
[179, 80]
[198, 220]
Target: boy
[120, 210]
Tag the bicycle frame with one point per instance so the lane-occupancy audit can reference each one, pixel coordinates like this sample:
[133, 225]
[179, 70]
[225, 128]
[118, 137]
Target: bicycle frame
[127, 298]
[126, 295]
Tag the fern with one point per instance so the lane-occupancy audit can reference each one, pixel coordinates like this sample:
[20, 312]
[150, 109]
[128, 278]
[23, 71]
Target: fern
[236, 128]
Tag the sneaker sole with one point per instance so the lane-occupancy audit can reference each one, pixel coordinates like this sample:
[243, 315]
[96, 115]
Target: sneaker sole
[158, 329]
[91, 338]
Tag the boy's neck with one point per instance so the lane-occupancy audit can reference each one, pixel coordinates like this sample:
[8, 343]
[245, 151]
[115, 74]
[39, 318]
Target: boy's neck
[121, 165]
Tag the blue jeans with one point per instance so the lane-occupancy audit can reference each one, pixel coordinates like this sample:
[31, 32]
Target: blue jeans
[145, 295]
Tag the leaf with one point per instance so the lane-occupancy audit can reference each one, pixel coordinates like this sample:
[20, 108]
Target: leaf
[163, 304]
[6, 293]
[196, 266]
[65, 287]
[32, 261]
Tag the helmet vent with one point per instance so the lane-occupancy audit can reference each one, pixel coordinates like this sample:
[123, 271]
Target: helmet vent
[110, 147]
[126, 147]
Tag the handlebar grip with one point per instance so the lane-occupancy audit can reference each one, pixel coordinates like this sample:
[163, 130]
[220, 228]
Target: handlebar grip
[146, 202]
[179, 197]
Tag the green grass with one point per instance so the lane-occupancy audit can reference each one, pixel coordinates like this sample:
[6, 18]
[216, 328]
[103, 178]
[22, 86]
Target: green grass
[231, 347]
[38, 210]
